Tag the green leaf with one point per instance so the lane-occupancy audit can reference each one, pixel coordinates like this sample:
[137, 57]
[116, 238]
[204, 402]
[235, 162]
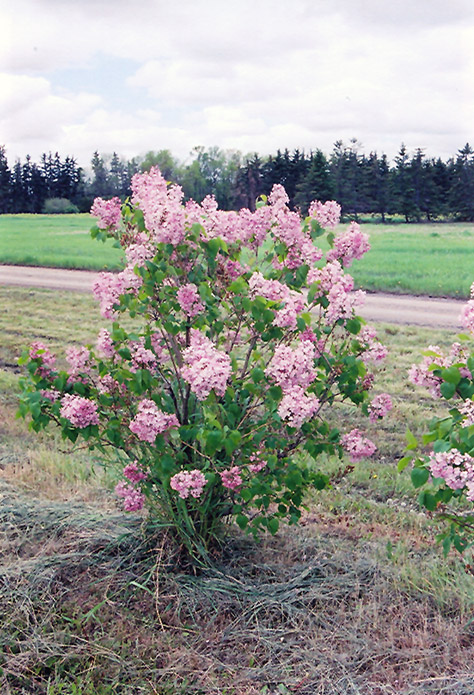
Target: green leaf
[419, 476]
[353, 326]
[428, 500]
[448, 389]
[272, 525]
[242, 521]
[452, 375]
[412, 443]
[403, 463]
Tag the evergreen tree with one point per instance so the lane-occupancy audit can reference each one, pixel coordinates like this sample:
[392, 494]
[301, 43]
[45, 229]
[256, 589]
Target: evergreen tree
[316, 184]
[99, 186]
[462, 187]
[5, 182]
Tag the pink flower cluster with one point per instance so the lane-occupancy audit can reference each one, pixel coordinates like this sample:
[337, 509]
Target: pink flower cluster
[108, 212]
[39, 351]
[81, 412]
[140, 251]
[467, 314]
[292, 301]
[467, 409]
[109, 286]
[232, 478]
[189, 300]
[357, 446]
[338, 287]
[379, 407]
[205, 368]
[134, 472]
[297, 407]
[78, 359]
[327, 214]
[292, 367]
[257, 462]
[133, 499]
[293, 370]
[187, 483]
[162, 207]
[349, 246]
[142, 358]
[151, 421]
[105, 344]
[374, 350]
[51, 394]
[422, 374]
[456, 469]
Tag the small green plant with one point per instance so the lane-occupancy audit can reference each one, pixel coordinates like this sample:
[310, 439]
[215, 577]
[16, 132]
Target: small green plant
[59, 206]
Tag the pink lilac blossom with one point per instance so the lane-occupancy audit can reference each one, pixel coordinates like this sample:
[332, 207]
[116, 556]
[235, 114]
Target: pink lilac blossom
[51, 394]
[256, 225]
[357, 446]
[189, 300]
[456, 469]
[151, 421]
[142, 358]
[330, 275]
[374, 350]
[342, 304]
[39, 351]
[108, 384]
[257, 462]
[232, 478]
[162, 207]
[187, 483]
[134, 472]
[140, 251]
[297, 407]
[78, 359]
[105, 344]
[292, 367]
[467, 409]
[422, 374]
[379, 407]
[467, 316]
[349, 246]
[278, 198]
[133, 499]
[108, 212]
[81, 412]
[109, 286]
[327, 214]
[205, 368]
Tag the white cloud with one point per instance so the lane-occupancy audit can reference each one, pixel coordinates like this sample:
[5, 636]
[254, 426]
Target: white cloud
[249, 74]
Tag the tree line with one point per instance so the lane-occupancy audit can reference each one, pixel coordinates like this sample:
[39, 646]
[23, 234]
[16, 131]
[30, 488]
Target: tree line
[413, 185]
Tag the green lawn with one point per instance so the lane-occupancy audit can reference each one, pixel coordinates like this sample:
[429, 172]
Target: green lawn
[57, 241]
[432, 259]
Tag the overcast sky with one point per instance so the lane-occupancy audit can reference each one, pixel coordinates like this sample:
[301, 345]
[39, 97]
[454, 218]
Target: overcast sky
[252, 75]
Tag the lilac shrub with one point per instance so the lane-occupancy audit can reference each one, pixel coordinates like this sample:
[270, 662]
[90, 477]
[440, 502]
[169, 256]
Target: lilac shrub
[443, 463]
[214, 407]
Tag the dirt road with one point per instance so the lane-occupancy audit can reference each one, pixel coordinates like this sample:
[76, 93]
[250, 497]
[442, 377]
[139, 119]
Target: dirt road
[391, 308]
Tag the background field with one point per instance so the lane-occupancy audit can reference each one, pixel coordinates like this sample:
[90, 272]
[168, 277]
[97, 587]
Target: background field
[432, 259]
[356, 601]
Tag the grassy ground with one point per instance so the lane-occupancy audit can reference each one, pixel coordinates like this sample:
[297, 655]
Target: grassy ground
[61, 241]
[433, 259]
[355, 601]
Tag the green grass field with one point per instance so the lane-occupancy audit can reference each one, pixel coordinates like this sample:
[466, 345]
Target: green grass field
[56, 241]
[358, 600]
[431, 259]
